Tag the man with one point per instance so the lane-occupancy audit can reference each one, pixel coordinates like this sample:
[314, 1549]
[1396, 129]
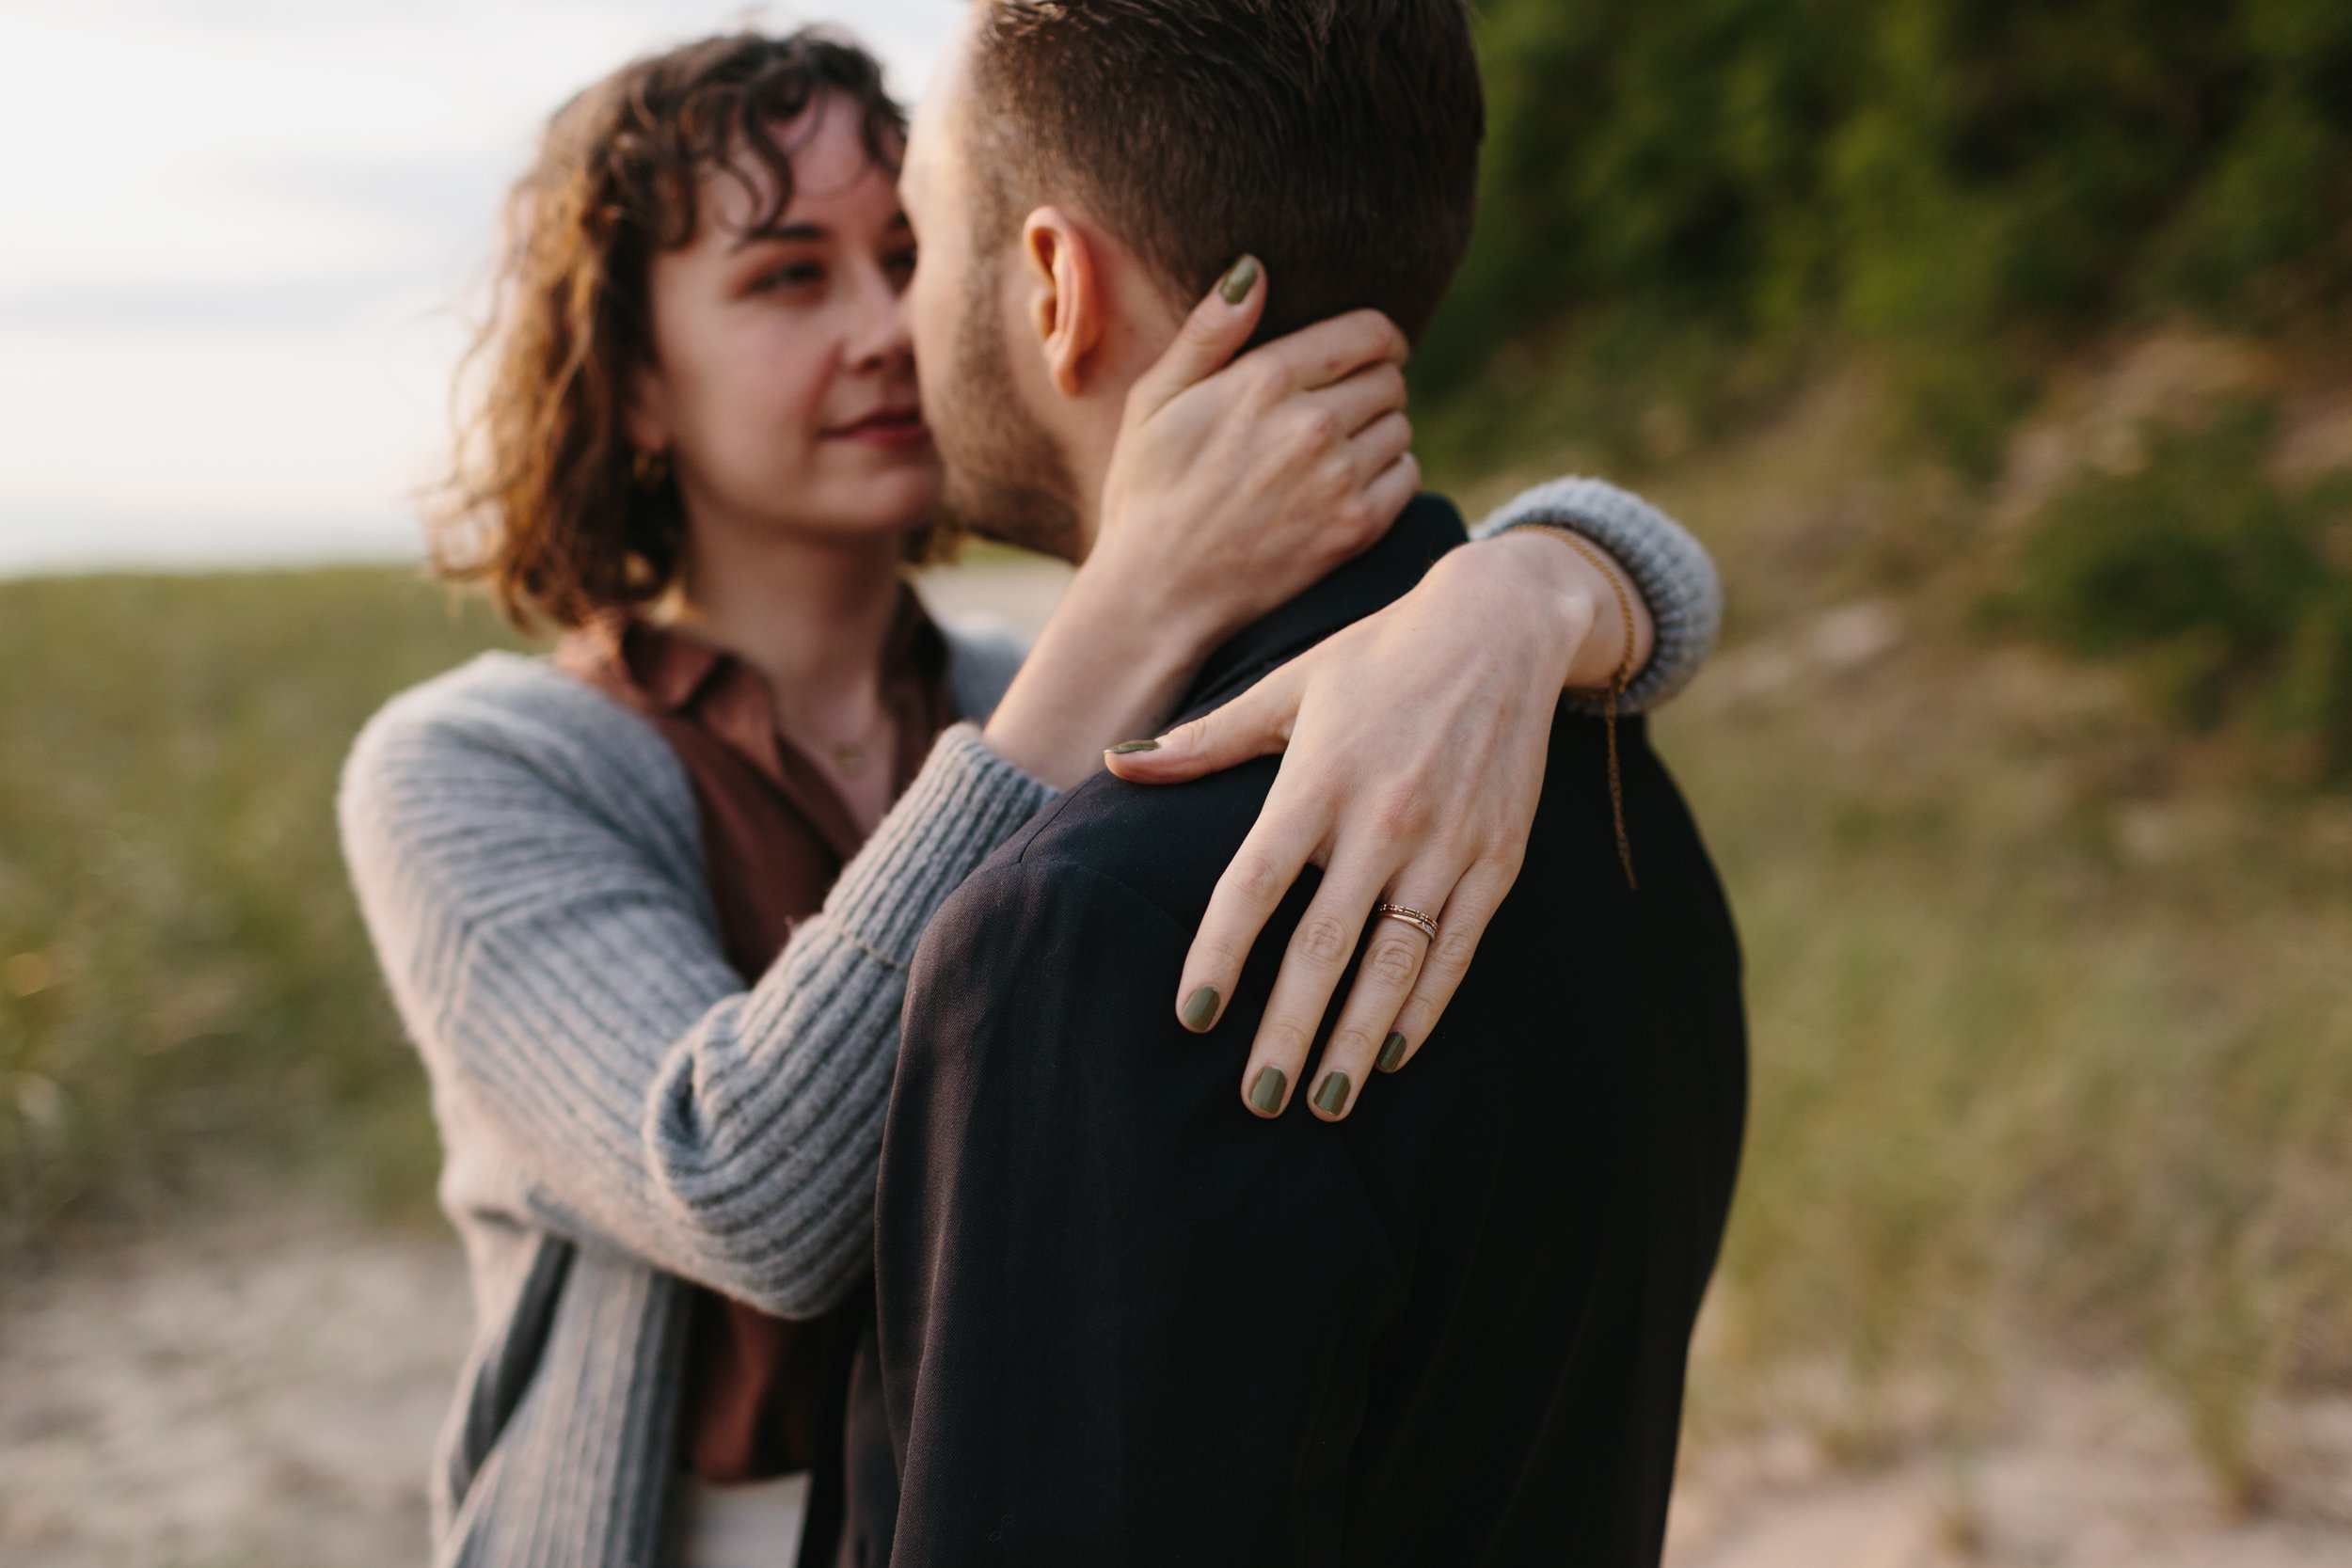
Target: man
[1440, 1319]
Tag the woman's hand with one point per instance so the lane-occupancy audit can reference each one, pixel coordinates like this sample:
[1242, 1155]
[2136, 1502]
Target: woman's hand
[1235, 487]
[1414, 745]
[1232, 489]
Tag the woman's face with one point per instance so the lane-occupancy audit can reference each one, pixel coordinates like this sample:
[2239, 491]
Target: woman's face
[783, 384]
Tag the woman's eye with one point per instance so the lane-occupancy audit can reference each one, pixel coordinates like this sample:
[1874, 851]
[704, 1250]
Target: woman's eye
[791, 275]
[901, 264]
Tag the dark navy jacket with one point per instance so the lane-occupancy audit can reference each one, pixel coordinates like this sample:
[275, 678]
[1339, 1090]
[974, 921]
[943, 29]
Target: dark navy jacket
[1123, 1322]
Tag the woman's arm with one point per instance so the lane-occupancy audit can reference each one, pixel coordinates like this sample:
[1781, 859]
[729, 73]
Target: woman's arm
[1414, 746]
[524, 855]
[1672, 580]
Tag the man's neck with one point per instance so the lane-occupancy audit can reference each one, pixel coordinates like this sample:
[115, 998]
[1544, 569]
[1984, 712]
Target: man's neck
[1088, 456]
[1086, 431]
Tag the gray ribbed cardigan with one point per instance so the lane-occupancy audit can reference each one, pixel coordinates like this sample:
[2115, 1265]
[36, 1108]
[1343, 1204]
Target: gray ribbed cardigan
[617, 1112]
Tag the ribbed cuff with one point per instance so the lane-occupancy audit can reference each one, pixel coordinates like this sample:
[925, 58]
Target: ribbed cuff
[1670, 568]
[964, 802]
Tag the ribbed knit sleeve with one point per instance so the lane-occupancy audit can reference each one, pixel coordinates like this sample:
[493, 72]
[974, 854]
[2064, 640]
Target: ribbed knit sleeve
[1669, 566]
[517, 846]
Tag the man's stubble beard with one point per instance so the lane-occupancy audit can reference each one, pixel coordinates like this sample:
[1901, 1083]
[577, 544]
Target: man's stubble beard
[1005, 477]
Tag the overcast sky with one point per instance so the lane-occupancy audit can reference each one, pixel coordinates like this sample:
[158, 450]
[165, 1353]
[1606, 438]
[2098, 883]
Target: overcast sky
[237, 240]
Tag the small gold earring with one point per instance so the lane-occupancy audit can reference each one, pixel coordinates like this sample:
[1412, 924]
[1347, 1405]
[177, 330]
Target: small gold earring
[649, 468]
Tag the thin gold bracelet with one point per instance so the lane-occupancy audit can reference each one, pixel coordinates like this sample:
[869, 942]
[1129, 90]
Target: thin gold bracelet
[1617, 685]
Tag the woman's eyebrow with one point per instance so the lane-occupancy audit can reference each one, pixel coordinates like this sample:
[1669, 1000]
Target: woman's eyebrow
[791, 231]
[783, 232]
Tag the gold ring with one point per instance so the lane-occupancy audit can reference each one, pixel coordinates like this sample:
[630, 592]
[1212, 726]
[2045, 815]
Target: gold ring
[1426, 925]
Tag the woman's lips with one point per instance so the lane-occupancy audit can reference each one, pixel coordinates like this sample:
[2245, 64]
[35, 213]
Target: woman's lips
[893, 428]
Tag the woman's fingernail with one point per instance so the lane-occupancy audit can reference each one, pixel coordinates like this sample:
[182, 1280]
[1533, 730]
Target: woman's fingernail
[1265, 1095]
[1128, 748]
[1332, 1099]
[1199, 1009]
[1235, 285]
[1391, 1054]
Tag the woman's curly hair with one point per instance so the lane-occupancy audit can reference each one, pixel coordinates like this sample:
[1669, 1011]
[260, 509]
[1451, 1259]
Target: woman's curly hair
[547, 502]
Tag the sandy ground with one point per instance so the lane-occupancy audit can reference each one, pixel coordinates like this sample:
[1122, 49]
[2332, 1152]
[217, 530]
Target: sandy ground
[254, 1392]
[263, 1390]
[2085, 1474]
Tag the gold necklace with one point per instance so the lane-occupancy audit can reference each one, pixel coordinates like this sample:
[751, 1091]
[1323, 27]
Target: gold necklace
[851, 756]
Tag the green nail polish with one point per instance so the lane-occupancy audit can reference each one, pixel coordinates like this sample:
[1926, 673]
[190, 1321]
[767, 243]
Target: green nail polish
[1128, 748]
[1199, 1009]
[1332, 1099]
[1265, 1097]
[1236, 284]
[1391, 1054]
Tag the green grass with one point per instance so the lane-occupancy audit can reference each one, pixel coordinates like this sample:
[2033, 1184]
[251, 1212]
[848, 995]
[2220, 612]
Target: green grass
[2037, 1064]
[183, 974]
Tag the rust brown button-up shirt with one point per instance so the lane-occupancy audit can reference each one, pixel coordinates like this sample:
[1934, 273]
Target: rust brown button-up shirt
[765, 1394]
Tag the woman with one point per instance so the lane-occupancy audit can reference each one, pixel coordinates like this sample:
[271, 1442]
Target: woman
[646, 909]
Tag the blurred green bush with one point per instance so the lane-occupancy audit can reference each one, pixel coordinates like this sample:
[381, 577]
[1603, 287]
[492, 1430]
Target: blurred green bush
[2232, 593]
[1965, 182]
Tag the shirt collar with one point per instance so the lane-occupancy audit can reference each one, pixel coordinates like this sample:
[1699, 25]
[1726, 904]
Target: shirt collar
[1427, 529]
[668, 667]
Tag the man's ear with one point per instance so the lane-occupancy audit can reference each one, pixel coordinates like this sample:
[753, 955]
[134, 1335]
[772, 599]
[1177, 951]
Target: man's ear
[1066, 302]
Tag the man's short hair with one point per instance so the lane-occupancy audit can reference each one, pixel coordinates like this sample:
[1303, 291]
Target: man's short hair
[1336, 140]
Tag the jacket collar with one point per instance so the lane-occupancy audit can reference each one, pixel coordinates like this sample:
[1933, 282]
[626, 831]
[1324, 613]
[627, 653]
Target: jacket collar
[1425, 530]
